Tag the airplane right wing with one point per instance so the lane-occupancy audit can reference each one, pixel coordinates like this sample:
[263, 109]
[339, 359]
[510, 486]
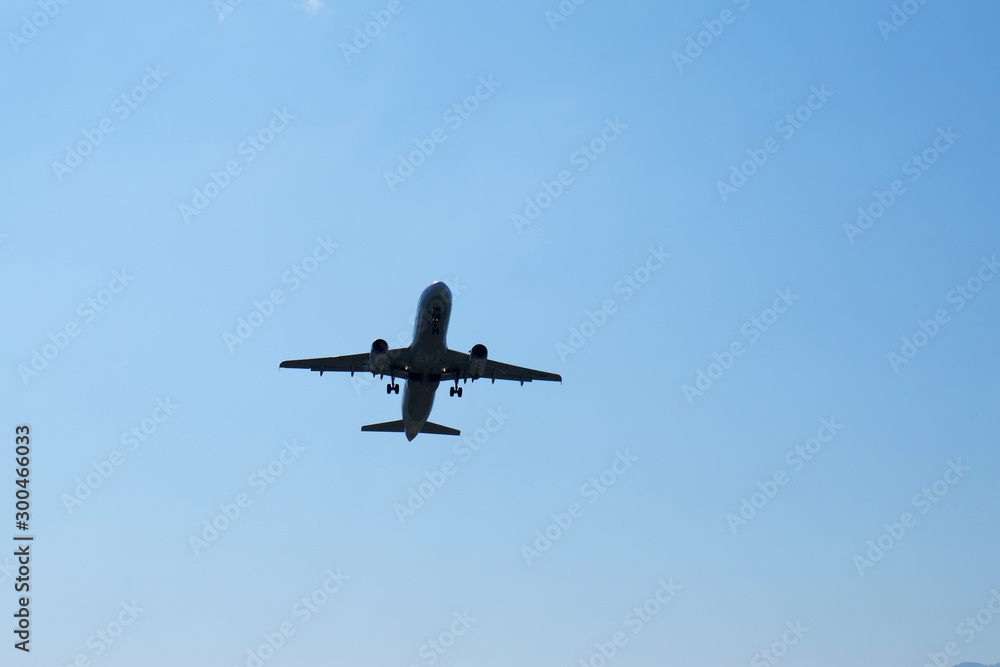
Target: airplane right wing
[353, 363]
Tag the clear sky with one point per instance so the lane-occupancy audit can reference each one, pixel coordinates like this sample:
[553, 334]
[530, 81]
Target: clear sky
[777, 429]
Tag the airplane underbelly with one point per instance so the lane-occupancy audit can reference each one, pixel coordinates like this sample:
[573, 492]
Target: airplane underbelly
[418, 400]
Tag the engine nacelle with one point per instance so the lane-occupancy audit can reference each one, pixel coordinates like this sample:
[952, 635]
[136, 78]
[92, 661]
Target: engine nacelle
[378, 358]
[477, 360]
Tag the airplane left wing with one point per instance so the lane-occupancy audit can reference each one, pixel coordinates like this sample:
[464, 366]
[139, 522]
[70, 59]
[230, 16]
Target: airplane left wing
[353, 363]
[458, 364]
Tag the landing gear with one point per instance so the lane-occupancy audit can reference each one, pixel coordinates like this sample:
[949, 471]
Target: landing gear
[392, 387]
[455, 391]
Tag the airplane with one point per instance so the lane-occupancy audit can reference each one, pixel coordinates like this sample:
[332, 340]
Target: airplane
[424, 364]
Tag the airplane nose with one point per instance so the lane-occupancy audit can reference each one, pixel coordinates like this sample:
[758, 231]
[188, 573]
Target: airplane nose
[440, 290]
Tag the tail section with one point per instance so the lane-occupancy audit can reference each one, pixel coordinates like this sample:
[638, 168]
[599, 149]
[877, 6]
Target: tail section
[397, 427]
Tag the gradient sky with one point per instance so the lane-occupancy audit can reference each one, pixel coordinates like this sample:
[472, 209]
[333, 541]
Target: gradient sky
[329, 127]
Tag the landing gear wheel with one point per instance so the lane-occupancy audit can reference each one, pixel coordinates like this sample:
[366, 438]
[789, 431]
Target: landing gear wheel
[459, 392]
[395, 388]
[388, 388]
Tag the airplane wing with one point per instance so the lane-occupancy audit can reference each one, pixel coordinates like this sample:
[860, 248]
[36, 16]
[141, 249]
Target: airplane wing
[353, 363]
[458, 363]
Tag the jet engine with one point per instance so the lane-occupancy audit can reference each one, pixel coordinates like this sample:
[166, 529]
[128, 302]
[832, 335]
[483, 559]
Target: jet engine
[378, 358]
[477, 360]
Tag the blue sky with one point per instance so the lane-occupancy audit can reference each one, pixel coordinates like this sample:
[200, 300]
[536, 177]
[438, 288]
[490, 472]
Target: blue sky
[180, 166]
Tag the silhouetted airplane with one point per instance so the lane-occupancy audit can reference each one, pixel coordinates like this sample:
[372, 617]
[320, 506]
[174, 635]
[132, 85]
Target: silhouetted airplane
[424, 364]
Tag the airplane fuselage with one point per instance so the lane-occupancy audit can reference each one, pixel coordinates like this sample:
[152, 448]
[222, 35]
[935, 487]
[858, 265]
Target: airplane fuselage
[427, 354]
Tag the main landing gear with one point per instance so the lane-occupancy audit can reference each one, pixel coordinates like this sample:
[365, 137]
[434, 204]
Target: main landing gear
[393, 386]
[456, 390]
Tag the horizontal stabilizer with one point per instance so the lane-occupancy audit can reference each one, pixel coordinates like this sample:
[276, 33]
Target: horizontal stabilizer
[388, 427]
[397, 427]
[437, 429]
